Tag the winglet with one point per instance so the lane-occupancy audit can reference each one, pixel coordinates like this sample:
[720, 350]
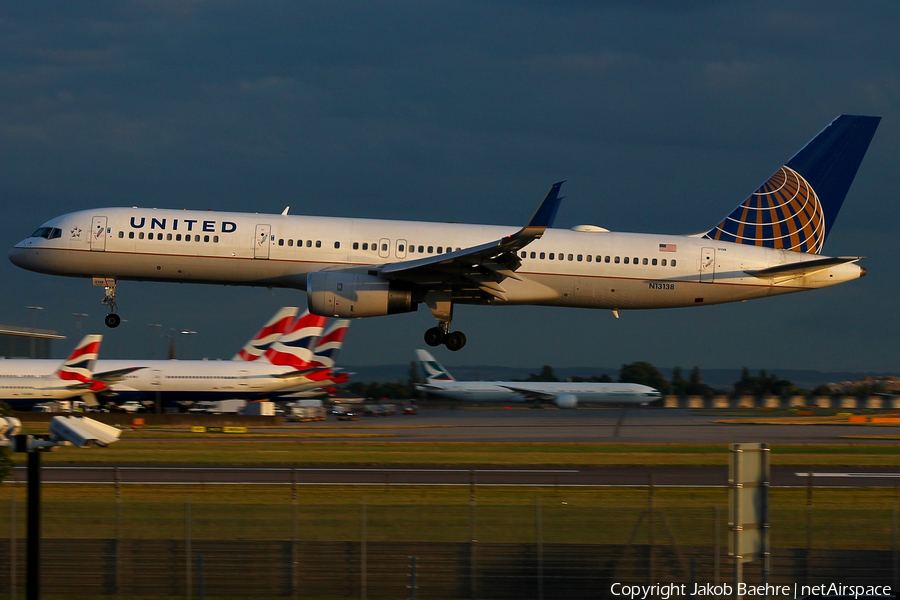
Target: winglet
[546, 212]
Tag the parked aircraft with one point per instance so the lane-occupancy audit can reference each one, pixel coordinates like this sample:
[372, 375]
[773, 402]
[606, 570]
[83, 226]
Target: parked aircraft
[38, 383]
[193, 380]
[769, 245]
[564, 394]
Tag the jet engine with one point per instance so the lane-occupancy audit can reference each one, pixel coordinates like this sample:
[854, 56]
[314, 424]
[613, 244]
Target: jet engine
[566, 401]
[351, 294]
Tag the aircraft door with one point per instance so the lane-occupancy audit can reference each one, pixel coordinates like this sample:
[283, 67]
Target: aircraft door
[384, 248]
[98, 234]
[261, 241]
[707, 265]
[401, 248]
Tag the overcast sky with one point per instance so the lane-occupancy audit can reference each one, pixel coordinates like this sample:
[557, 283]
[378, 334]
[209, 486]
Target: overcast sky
[662, 116]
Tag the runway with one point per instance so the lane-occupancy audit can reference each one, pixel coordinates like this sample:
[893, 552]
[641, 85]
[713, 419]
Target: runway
[634, 425]
[562, 477]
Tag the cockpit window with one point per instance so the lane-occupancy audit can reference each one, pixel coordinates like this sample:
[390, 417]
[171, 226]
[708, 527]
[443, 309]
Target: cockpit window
[49, 233]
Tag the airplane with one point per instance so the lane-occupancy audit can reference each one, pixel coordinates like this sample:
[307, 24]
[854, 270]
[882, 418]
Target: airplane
[324, 356]
[74, 376]
[769, 245]
[195, 380]
[564, 394]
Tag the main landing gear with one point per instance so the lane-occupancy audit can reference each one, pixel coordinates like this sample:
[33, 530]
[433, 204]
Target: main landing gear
[439, 335]
[440, 303]
[112, 320]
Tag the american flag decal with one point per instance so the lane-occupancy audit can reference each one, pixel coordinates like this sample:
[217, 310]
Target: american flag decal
[668, 247]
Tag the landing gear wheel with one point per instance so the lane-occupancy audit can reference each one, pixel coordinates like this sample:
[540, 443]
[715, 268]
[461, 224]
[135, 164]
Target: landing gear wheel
[455, 341]
[434, 336]
[112, 320]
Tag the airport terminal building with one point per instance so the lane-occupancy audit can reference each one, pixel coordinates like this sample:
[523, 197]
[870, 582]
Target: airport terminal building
[26, 342]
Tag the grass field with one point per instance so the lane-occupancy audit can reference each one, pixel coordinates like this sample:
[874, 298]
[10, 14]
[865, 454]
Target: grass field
[282, 449]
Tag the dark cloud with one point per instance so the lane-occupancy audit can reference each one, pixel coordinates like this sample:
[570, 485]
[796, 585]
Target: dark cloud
[661, 115]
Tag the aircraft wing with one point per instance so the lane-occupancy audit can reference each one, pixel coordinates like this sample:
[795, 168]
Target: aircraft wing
[300, 372]
[425, 387]
[532, 395]
[483, 266]
[802, 268]
[115, 375]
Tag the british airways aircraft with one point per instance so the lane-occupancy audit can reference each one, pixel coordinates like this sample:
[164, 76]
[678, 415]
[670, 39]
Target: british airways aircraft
[770, 244]
[74, 377]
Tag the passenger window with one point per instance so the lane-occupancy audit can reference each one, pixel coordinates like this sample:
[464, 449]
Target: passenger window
[430, 249]
[401, 248]
[571, 257]
[318, 243]
[215, 239]
[589, 257]
[606, 259]
[121, 234]
[673, 262]
[280, 241]
[309, 243]
[337, 245]
[290, 242]
[206, 239]
[644, 261]
[168, 237]
[635, 260]
[663, 262]
[197, 238]
[440, 250]
[617, 260]
[421, 248]
[532, 255]
[524, 254]
[552, 255]
[356, 245]
[626, 260]
[653, 262]
[384, 247]
[365, 245]
[141, 235]
[542, 256]
[177, 237]
[130, 235]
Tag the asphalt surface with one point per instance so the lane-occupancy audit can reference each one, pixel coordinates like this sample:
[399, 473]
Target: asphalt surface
[609, 476]
[637, 425]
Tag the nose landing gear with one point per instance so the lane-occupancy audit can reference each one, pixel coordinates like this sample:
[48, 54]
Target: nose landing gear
[112, 320]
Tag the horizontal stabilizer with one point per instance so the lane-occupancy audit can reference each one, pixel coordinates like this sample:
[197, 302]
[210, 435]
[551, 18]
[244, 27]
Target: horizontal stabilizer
[800, 269]
[115, 375]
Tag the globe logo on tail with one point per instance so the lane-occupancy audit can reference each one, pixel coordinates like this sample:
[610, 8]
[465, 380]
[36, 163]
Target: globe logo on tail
[785, 213]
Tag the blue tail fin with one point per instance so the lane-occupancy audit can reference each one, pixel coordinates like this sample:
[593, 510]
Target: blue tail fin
[796, 208]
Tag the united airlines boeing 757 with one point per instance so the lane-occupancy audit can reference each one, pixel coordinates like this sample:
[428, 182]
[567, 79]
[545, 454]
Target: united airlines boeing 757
[770, 244]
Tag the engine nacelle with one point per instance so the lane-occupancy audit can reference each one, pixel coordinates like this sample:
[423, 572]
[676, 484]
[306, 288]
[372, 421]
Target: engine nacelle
[566, 401]
[347, 294]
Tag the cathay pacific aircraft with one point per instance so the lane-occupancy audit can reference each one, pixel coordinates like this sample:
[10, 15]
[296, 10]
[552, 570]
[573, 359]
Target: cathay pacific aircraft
[564, 394]
[770, 244]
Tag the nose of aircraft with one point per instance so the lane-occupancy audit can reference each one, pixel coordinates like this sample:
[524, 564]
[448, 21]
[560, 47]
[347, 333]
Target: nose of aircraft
[862, 271]
[17, 257]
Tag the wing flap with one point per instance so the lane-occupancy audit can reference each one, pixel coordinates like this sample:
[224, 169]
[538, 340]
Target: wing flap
[530, 394]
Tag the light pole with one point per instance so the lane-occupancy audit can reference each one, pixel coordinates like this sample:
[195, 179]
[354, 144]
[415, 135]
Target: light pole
[34, 310]
[154, 328]
[78, 322]
[187, 332]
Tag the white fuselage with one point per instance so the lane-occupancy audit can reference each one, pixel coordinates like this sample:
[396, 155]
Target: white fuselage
[28, 389]
[563, 268]
[520, 391]
[176, 379]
